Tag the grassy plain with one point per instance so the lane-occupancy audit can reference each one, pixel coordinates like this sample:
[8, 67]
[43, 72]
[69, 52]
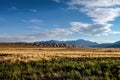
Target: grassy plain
[36, 63]
[32, 54]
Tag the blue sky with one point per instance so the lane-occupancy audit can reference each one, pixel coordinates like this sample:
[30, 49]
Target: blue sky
[37, 20]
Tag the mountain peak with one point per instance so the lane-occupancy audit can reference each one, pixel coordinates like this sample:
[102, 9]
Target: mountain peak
[118, 42]
[79, 42]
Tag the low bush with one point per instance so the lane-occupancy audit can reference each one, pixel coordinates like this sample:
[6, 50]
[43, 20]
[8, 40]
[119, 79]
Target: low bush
[62, 69]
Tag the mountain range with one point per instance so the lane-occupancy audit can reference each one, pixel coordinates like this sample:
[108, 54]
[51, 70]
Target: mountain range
[107, 45]
[85, 43]
[72, 43]
[79, 42]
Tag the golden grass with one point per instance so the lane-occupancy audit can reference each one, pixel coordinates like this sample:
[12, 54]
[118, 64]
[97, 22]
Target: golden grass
[31, 54]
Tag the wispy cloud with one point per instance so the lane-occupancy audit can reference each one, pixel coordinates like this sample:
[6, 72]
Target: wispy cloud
[95, 3]
[18, 38]
[58, 1]
[42, 35]
[45, 34]
[101, 13]
[33, 21]
[35, 27]
[91, 29]
[53, 33]
[12, 8]
[33, 10]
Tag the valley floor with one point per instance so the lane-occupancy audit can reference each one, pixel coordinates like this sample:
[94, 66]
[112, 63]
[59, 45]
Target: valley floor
[59, 63]
[33, 54]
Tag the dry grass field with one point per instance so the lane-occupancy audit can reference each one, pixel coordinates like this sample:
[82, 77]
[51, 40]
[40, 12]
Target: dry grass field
[33, 54]
[59, 63]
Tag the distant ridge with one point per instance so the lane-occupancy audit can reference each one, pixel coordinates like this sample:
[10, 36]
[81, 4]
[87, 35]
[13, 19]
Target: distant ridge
[56, 43]
[38, 44]
[108, 45]
[79, 42]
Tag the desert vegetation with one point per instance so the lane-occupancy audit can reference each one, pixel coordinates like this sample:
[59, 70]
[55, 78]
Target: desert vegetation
[62, 69]
[59, 63]
[33, 54]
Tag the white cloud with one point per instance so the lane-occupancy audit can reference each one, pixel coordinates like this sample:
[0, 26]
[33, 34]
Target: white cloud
[60, 31]
[58, 1]
[91, 29]
[35, 27]
[95, 3]
[97, 10]
[8, 38]
[53, 33]
[12, 8]
[101, 13]
[35, 24]
[43, 35]
[33, 21]
[34, 10]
